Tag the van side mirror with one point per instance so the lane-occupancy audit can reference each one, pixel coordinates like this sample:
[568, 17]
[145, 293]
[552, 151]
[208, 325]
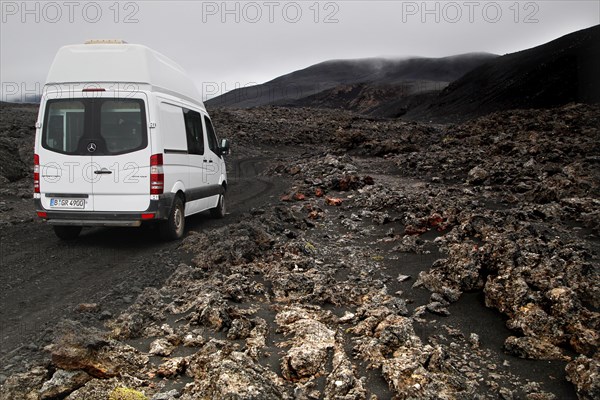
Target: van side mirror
[224, 147]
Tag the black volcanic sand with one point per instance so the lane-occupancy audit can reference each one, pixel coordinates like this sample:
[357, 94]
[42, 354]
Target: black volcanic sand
[368, 272]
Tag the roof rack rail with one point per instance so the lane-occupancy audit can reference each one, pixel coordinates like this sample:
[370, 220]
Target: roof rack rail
[105, 41]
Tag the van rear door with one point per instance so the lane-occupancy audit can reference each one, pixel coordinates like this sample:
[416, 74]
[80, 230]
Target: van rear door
[95, 154]
[65, 174]
[121, 162]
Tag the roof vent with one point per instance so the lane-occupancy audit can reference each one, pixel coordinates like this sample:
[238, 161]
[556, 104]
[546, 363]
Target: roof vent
[105, 41]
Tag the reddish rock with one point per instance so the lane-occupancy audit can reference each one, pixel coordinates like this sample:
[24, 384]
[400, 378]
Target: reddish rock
[333, 201]
[414, 230]
[299, 196]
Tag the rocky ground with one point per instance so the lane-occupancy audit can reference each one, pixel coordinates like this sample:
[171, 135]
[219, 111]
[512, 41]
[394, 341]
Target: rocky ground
[17, 127]
[399, 260]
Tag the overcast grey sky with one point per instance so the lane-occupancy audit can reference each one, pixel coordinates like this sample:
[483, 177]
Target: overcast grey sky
[224, 45]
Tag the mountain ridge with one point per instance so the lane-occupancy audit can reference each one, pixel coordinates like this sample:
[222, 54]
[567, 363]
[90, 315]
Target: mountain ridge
[445, 89]
[555, 73]
[328, 74]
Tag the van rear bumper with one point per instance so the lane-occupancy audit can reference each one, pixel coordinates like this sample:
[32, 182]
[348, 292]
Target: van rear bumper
[158, 210]
[93, 222]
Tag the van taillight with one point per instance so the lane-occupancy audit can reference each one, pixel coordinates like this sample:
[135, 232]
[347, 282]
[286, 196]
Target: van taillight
[36, 173]
[157, 176]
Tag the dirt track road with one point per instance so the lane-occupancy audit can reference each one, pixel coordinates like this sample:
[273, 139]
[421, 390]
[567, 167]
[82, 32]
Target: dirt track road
[43, 280]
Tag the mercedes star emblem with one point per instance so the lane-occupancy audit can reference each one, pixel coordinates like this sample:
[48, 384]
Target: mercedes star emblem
[91, 147]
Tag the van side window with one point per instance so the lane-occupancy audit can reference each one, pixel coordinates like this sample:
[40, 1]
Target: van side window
[194, 132]
[210, 134]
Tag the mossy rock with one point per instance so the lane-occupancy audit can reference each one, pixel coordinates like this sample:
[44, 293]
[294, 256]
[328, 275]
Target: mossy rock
[126, 394]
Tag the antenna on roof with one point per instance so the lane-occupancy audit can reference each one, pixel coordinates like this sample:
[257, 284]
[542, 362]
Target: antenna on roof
[105, 41]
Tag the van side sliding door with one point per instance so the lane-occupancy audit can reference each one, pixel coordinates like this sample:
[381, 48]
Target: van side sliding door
[175, 147]
[196, 192]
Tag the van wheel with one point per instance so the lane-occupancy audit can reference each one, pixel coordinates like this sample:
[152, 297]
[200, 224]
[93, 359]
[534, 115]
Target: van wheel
[67, 232]
[219, 210]
[173, 227]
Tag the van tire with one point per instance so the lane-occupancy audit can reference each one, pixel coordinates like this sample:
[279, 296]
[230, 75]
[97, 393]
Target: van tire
[219, 210]
[67, 232]
[174, 226]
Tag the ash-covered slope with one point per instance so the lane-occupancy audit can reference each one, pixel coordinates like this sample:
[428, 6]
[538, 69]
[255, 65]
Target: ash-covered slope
[17, 130]
[559, 72]
[384, 73]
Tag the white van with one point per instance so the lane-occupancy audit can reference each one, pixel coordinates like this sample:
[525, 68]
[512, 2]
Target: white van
[123, 137]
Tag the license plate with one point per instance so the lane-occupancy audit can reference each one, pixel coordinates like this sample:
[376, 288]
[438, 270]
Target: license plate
[67, 203]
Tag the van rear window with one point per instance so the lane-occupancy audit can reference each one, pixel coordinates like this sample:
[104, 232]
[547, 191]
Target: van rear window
[115, 126]
[64, 126]
[121, 125]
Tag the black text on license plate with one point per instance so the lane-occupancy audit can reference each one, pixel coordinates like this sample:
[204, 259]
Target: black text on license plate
[67, 203]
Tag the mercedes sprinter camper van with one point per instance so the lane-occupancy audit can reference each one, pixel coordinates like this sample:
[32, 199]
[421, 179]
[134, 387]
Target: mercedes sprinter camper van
[123, 137]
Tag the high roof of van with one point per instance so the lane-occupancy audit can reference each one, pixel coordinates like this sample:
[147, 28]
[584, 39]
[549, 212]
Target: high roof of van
[115, 61]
